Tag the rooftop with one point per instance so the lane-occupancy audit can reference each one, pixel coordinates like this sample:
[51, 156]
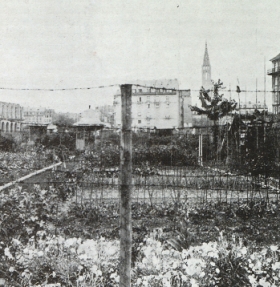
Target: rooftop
[275, 58]
[163, 83]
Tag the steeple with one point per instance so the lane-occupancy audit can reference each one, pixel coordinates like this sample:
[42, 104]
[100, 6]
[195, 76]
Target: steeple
[206, 70]
[206, 61]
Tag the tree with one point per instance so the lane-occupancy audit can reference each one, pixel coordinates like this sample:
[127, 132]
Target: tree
[63, 121]
[214, 107]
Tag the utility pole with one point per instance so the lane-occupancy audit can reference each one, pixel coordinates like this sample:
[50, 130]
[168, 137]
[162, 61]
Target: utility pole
[125, 187]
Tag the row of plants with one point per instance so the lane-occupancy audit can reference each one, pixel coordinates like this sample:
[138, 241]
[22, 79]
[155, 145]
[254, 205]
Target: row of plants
[44, 237]
[173, 150]
[16, 164]
[56, 261]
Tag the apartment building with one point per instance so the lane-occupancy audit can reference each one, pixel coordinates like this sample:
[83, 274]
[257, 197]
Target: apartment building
[157, 105]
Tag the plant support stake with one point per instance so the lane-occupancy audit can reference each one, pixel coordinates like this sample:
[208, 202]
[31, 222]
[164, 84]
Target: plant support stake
[125, 187]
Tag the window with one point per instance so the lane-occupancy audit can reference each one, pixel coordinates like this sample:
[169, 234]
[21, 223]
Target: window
[140, 90]
[148, 106]
[139, 98]
[139, 121]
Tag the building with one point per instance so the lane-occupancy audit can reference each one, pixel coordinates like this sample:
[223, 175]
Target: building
[11, 116]
[157, 105]
[249, 107]
[40, 116]
[206, 71]
[275, 73]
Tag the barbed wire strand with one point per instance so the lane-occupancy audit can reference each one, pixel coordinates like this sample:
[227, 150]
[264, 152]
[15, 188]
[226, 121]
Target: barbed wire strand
[133, 84]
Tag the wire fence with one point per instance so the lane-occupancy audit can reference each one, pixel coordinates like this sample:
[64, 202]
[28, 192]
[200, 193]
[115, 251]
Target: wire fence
[168, 165]
[192, 185]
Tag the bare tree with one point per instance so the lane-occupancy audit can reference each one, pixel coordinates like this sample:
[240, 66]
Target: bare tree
[214, 107]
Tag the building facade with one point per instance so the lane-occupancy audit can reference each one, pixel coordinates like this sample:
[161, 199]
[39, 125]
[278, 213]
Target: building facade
[249, 107]
[11, 116]
[157, 105]
[40, 116]
[275, 73]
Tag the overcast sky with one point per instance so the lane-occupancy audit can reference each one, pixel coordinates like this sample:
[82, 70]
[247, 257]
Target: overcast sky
[86, 43]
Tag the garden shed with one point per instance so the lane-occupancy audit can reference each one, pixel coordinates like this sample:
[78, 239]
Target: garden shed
[86, 130]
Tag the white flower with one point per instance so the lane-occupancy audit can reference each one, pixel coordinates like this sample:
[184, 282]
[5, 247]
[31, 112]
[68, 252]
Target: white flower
[11, 269]
[194, 283]
[40, 253]
[264, 283]
[274, 247]
[70, 242]
[16, 242]
[264, 251]
[83, 257]
[202, 274]
[94, 269]
[8, 253]
[244, 250]
[156, 261]
[276, 265]
[166, 282]
[115, 276]
[80, 279]
[252, 280]
[217, 270]
[166, 252]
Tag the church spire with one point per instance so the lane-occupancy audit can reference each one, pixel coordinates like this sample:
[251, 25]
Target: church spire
[206, 61]
[206, 70]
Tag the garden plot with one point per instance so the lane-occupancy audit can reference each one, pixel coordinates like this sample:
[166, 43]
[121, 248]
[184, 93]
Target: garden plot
[78, 245]
[15, 165]
[194, 186]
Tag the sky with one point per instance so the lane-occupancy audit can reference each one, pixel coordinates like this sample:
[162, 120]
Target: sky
[50, 44]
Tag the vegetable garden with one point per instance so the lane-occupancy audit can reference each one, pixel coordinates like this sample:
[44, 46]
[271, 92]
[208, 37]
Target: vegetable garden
[192, 225]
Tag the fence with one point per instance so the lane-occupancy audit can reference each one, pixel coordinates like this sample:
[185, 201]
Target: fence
[165, 166]
[193, 185]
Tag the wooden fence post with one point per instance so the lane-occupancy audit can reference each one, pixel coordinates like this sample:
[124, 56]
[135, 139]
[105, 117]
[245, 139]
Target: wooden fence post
[125, 187]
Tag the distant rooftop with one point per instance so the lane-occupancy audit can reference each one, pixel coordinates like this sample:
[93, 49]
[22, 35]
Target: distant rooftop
[163, 83]
[275, 58]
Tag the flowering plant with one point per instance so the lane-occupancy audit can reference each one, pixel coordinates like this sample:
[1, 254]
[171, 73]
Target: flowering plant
[54, 259]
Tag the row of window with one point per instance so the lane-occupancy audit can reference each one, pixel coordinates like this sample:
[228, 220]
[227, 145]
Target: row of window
[149, 98]
[157, 104]
[151, 90]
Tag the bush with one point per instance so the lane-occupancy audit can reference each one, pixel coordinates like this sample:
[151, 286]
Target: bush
[7, 143]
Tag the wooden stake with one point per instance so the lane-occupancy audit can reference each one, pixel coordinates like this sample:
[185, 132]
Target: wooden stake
[125, 187]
